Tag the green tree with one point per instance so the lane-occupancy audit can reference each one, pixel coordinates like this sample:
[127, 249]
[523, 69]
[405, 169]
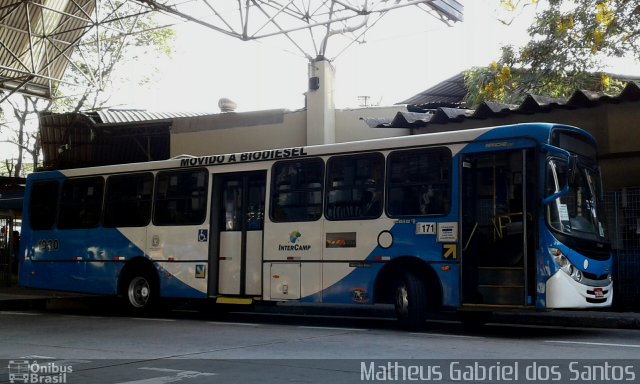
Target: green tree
[569, 41]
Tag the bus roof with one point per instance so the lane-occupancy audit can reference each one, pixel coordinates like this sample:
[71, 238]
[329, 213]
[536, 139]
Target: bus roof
[539, 132]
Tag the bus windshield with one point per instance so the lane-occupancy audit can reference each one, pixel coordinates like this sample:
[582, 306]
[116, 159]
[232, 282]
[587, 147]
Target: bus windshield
[578, 211]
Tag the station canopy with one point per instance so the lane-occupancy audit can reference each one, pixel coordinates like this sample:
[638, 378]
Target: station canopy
[39, 37]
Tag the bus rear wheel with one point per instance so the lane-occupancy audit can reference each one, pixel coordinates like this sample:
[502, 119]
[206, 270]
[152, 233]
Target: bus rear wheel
[141, 292]
[411, 301]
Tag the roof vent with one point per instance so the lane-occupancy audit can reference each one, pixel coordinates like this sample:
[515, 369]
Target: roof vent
[227, 105]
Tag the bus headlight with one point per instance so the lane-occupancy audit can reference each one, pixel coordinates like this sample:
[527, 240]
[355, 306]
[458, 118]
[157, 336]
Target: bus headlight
[577, 275]
[565, 265]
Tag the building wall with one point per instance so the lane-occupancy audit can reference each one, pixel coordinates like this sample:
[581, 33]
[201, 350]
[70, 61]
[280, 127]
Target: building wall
[238, 132]
[615, 127]
[350, 126]
[253, 131]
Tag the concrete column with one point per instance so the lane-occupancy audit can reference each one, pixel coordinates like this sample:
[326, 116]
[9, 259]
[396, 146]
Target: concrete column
[321, 110]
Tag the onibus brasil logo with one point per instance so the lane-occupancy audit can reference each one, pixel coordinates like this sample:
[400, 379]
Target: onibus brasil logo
[24, 371]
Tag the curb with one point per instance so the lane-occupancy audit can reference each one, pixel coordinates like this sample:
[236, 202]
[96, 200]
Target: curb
[616, 320]
[557, 318]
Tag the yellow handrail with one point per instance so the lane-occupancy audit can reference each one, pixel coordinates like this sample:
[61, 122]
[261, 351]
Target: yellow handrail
[473, 231]
[500, 223]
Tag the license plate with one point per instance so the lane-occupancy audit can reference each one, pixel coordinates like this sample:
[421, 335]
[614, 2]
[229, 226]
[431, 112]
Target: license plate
[598, 292]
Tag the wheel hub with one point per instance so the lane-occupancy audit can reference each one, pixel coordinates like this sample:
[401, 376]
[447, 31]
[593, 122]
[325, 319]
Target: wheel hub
[402, 300]
[139, 292]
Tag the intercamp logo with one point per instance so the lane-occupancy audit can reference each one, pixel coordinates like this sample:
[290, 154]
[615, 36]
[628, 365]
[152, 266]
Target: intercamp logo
[30, 372]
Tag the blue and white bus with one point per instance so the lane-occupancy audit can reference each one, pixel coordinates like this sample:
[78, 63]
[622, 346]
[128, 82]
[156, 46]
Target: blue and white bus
[485, 219]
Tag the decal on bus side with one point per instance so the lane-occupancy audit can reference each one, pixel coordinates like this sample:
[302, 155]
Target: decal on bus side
[450, 251]
[201, 271]
[294, 245]
[272, 154]
[48, 245]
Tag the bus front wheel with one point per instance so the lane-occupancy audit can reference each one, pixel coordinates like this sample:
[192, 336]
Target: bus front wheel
[411, 301]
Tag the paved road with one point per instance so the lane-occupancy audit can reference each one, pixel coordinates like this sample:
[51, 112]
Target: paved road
[239, 348]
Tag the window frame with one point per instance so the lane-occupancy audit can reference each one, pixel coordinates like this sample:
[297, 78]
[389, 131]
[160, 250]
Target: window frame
[275, 194]
[150, 199]
[156, 194]
[379, 186]
[63, 206]
[389, 185]
[55, 205]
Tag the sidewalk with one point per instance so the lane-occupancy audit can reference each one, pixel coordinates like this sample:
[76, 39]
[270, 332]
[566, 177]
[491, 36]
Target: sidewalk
[16, 298]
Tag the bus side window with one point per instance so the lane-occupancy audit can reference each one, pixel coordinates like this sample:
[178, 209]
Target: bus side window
[419, 182]
[181, 197]
[297, 190]
[128, 200]
[43, 205]
[355, 187]
[81, 203]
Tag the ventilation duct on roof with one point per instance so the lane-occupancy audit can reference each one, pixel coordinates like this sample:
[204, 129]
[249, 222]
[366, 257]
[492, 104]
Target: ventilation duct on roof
[227, 105]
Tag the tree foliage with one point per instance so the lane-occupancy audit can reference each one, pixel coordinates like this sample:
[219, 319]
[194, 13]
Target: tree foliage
[20, 133]
[127, 34]
[569, 39]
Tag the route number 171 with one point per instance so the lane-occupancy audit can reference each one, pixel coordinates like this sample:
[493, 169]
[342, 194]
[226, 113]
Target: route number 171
[425, 228]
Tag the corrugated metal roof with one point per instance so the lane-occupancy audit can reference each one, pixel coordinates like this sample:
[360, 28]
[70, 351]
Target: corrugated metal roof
[36, 39]
[123, 116]
[112, 136]
[451, 91]
[417, 117]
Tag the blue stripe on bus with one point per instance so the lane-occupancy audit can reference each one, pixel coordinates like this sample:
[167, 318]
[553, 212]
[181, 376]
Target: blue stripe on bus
[88, 260]
[94, 278]
[358, 286]
[172, 286]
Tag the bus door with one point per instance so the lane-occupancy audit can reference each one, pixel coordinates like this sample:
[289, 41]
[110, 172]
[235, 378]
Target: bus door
[498, 260]
[237, 221]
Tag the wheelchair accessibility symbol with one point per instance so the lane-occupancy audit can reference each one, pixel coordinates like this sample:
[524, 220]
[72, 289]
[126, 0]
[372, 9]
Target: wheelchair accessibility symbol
[203, 235]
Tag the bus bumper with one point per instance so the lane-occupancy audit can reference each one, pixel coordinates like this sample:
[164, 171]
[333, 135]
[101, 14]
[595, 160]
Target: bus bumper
[564, 292]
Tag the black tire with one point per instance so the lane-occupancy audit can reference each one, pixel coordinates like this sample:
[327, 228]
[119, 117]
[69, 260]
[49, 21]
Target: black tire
[140, 292]
[410, 300]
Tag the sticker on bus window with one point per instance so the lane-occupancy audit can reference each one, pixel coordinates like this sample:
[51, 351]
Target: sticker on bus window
[563, 212]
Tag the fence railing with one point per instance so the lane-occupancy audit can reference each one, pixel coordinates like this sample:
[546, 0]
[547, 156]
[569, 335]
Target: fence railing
[623, 216]
[8, 250]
